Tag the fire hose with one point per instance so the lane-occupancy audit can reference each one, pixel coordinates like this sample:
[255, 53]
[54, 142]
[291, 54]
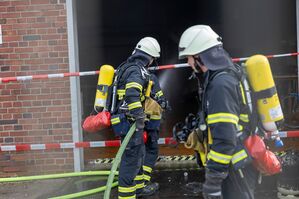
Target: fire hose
[117, 160]
[66, 175]
[106, 188]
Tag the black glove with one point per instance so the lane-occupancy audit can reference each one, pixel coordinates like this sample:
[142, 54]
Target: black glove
[139, 119]
[139, 124]
[213, 183]
[164, 104]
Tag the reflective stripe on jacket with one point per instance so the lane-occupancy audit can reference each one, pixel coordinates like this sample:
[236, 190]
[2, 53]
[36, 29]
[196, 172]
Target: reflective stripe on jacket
[131, 86]
[224, 108]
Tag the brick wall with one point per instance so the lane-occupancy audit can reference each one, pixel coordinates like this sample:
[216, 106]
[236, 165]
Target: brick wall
[39, 111]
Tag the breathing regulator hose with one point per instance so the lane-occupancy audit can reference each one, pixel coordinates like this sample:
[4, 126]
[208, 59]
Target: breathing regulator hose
[117, 161]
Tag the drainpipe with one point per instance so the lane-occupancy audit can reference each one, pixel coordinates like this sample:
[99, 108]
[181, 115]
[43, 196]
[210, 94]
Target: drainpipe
[74, 83]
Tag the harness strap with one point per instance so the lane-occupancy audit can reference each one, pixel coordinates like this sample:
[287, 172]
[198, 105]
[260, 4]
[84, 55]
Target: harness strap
[267, 93]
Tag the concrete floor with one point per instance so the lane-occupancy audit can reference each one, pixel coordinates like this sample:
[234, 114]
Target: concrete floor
[172, 185]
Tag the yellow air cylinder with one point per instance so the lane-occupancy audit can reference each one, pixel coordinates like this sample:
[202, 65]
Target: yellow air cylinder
[104, 81]
[261, 80]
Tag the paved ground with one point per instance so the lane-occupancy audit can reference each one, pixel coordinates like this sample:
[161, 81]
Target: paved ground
[172, 185]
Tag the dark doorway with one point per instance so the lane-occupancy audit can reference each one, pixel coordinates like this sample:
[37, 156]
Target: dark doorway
[108, 31]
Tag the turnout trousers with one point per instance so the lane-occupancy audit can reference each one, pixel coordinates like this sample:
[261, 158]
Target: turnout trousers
[235, 187]
[130, 165]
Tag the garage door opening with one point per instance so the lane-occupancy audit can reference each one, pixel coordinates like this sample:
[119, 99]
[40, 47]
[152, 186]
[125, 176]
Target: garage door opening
[109, 30]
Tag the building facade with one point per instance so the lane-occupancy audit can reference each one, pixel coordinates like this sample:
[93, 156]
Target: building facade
[34, 41]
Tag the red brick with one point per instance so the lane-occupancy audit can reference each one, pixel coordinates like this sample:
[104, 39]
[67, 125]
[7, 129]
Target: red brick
[13, 44]
[4, 134]
[5, 3]
[19, 157]
[5, 92]
[8, 38]
[6, 50]
[31, 14]
[41, 25]
[19, 140]
[36, 2]
[23, 8]
[42, 31]
[11, 169]
[57, 114]
[21, 2]
[58, 138]
[49, 161]
[24, 50]
[34, 61]
[6, 163]
[59, 161]
[52, 13]
[18, 134]
[8, 128]
[34, 20]
[27, 97]
[67, 137]
[7, 116]
[7, 98]
[10, 15]
[17, 104]
[21, 26]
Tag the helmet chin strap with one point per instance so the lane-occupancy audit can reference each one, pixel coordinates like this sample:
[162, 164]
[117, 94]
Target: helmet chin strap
[197, 64]
[154, 62]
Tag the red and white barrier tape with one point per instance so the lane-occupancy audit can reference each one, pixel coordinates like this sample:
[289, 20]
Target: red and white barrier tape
[288, 134]
[234, 60]
[47, 76]
[109, 143]
[87, 73]
[268, 56]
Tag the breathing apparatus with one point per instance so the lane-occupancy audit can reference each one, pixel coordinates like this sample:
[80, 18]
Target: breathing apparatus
[265, 94]
[105, 79]
[202, 41]
[147, 48]
[106, 94]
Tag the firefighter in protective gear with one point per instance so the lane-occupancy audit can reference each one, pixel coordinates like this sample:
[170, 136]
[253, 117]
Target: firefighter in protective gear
[154, 106]
[224, 109]
[132, 80]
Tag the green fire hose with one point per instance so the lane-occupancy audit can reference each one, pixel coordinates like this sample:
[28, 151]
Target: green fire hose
[53, 176]
[85, 193]
[106, 188]
[117, 161]
[65, 175]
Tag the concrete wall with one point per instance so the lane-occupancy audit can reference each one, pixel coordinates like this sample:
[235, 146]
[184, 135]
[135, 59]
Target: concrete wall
[38, 111]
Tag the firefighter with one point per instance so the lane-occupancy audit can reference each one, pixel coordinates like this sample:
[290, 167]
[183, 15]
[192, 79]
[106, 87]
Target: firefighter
[153, 109]
[223, 105]
[132, 81]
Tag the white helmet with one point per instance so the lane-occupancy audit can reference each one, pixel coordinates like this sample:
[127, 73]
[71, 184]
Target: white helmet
[197, 39]
[150, 46]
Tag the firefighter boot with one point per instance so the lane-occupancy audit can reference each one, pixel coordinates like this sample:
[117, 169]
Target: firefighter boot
[149, 189]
